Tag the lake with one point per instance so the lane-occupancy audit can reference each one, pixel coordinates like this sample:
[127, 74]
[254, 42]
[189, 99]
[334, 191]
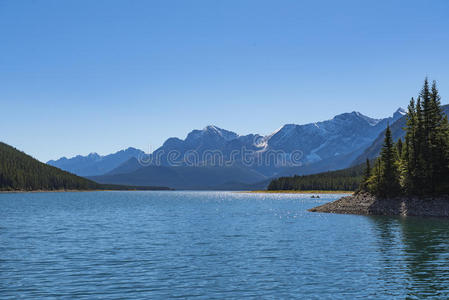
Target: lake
[212, 245]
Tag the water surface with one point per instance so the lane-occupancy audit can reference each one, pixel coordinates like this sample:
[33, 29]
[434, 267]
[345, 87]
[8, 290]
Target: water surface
[206, 245]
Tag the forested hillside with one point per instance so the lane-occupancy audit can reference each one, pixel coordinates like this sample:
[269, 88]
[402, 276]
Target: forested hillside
[341, 180]
[19, 171]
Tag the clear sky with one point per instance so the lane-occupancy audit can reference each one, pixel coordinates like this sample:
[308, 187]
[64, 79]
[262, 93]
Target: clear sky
[99, 76]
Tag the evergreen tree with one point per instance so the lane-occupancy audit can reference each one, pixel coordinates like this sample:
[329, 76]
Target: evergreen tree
[374, 181]
[419, 173]
[419, 165]
[438, 143]
[366, 176]
[410, 151]
[389, 179]
[426, 153]
[401, 162]
[399, 149]
[427, 111]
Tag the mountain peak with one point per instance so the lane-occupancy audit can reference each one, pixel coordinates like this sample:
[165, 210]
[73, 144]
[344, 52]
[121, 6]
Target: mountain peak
[214, 130]
[358, 115]
[399, 113]
[212, 127]
[130, 150]
[93, 163]
[211, 132]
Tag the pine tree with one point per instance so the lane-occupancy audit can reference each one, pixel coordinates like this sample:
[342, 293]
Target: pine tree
[420, 170]
[366, 177]
[389, 184]
[399, 149]
[374, 181]
[367, 174]
[427, 109]
[401, 163]
[427, 141]
[419, 165]
[409, 151]
[438, 143]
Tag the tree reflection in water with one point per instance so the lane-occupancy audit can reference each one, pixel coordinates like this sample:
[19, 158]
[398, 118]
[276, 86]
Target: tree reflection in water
[414, 253]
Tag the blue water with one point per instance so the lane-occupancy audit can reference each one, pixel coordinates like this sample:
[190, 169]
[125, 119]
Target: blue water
[212, 245]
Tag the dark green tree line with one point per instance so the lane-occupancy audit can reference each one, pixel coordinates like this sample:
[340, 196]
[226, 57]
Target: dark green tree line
[19, 171]
[341, 180]
[420, 164]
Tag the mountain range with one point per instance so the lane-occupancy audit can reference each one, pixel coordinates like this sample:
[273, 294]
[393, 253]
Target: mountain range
[215, 158]
[21, 172]
[94, 164]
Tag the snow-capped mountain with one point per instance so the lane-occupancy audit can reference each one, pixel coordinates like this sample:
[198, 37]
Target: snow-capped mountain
[343, 134]
[212, 146]
[95, 164]
[322, 146]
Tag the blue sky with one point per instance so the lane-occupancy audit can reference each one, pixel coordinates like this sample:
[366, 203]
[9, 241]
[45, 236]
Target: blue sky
[98, 76]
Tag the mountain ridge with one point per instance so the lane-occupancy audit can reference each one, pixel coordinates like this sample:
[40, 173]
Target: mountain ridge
[93, 163]
[317, 141]
[320, 146]
[397, 132]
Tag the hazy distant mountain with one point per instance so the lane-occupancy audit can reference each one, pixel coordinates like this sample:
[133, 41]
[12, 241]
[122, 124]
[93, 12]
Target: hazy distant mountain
[94, 164]
[128, 166]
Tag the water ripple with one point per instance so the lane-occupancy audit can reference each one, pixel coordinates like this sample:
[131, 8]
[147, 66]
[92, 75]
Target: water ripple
[212, 245]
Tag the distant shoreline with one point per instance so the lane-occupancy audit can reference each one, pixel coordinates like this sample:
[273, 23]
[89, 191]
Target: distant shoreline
[298, 192]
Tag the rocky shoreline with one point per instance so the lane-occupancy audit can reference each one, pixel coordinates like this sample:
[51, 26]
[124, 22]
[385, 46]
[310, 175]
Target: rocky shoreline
[367, 204]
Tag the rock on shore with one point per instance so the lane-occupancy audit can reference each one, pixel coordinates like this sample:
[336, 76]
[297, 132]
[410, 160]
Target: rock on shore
[367, 204]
